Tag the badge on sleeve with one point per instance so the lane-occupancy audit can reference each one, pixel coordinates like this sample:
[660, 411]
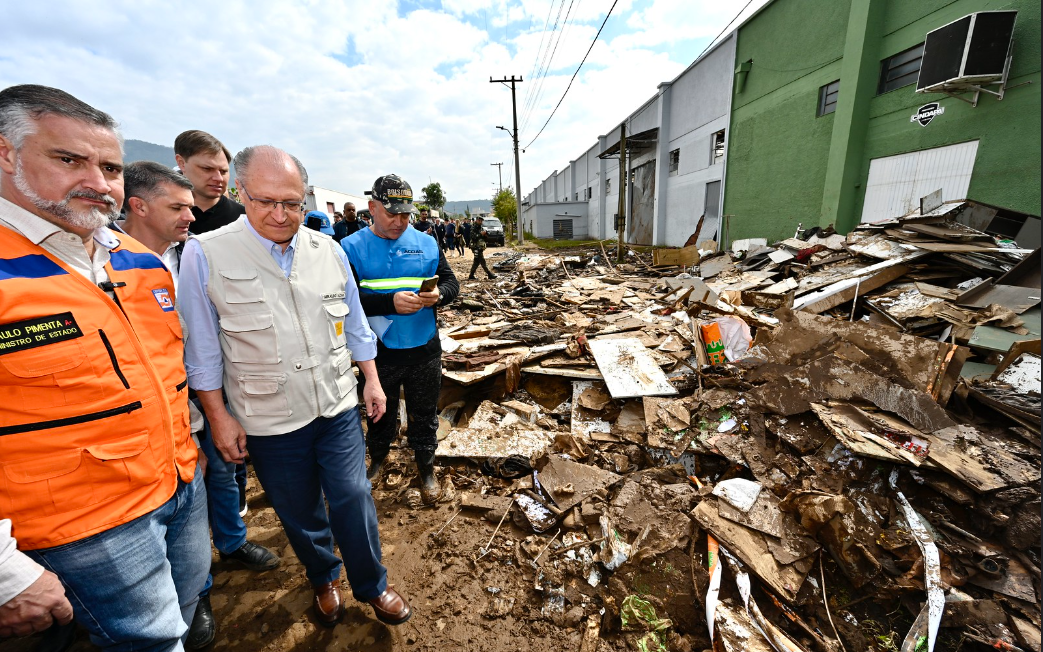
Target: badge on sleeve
[163, 299]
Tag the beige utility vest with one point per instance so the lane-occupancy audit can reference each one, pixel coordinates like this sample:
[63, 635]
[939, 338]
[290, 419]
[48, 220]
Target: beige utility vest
[286, 360]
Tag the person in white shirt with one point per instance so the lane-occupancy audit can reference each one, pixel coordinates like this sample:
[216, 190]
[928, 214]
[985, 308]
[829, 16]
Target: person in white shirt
[158, 210]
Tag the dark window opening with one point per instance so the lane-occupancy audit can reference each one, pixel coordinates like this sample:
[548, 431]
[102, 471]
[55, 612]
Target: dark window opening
[675, 160]
[717, 147]
[900, 70]
[827, 98]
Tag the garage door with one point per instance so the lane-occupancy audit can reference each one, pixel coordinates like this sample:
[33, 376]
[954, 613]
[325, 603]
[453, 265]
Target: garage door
[896, 183]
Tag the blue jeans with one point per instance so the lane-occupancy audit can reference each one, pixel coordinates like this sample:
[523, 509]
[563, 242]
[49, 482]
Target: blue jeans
[222, 497]
[135, 587]
[326, 457]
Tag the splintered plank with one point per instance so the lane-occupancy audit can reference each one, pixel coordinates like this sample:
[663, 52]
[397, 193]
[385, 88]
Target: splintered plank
[629, 368]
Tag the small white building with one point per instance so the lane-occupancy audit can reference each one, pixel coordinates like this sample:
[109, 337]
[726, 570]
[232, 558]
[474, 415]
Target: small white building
[331, 201]
[558, 220]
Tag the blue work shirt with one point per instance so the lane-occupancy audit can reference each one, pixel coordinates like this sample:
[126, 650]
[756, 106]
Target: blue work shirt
[203, 361]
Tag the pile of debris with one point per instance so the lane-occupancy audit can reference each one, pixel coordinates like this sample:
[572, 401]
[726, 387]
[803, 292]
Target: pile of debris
[829, 443]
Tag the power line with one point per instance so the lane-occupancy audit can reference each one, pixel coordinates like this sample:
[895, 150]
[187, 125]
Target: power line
[544, 64]
[575, 73]
[725, 29]
[563, 35]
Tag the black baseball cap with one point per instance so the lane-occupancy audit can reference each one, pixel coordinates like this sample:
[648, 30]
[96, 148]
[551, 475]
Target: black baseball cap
[394, 193]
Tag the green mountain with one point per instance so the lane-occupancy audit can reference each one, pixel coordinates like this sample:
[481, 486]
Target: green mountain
[460, 206]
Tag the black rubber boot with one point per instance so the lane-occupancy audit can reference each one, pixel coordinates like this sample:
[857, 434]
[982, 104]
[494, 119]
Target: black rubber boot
[430, 490]
[377, 455]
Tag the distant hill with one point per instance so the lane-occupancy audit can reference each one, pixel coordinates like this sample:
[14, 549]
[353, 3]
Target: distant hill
[460, 206]
[139, 150]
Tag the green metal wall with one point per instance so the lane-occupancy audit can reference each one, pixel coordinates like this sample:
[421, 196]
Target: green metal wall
[780, 167]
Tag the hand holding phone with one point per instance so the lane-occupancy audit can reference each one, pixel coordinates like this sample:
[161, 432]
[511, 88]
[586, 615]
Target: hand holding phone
[429, 284]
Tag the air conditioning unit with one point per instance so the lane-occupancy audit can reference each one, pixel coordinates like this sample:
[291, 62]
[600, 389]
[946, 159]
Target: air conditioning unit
[968, 53]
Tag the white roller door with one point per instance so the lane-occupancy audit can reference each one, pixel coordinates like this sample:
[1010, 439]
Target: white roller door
[896, 183]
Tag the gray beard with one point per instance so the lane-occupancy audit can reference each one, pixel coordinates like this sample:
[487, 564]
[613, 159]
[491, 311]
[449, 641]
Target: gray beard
[91, 219]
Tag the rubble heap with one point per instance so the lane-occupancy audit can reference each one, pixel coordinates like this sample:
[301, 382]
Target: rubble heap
[828, 443]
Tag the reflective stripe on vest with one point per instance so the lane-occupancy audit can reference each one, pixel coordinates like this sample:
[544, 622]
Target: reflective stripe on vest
[94, 423]
[381, 265]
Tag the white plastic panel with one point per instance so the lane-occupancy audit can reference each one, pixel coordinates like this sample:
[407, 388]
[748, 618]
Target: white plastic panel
[896, 183]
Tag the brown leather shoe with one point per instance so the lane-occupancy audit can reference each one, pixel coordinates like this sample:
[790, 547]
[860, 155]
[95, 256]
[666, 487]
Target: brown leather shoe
[391, 608]
[328, 603]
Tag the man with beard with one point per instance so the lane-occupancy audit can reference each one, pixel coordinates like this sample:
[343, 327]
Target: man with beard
[206, 162]
[93, 398]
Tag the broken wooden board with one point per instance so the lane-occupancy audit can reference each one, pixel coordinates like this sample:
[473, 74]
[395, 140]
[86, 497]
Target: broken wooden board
[848, 289]
[564, 372]
[750, 547]
[483, 443]
[588, 400]
[832, 377]
[985, 466]
[686, 257]
[629, 369]
[569, 483]
[861, 435]
[472, 377]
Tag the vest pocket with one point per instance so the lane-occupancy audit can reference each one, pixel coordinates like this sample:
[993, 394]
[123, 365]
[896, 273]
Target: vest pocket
[345, 378]
[336, 314]
[264, 395]
[241, 286]
[51, 376]
[70, 480]
[251, 338]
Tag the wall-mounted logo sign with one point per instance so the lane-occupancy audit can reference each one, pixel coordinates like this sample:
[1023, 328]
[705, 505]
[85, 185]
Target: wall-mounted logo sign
[926, 113]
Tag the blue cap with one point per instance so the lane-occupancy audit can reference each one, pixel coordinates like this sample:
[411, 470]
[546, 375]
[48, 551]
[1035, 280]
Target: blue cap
[324, 226]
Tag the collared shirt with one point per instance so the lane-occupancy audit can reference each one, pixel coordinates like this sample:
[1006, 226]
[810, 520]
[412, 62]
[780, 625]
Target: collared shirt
[203, 360]
[63, 245]
[225, 211]
[171, 257]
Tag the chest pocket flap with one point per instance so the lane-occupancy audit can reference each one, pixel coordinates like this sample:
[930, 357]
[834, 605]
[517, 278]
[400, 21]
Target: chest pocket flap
[335, 318]
[241, 285]
[251, 337]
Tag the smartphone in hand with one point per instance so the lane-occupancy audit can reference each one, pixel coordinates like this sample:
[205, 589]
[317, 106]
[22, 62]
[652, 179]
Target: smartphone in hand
[429, 284]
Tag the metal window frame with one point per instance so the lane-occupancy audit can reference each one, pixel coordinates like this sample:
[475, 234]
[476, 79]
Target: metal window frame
[714, 159]
[889, 65]
[675, 161]
[823, 95]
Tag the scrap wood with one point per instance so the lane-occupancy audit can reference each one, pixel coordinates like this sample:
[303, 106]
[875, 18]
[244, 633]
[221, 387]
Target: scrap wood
[750, 547]
[629, 368]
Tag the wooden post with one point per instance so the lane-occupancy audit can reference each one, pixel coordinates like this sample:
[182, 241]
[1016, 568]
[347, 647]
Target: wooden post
[621, 219]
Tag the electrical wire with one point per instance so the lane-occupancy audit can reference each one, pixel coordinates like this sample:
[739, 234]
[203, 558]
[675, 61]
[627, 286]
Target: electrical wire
[541, 73]
[710, 44]
[562, 35]
[578, 68]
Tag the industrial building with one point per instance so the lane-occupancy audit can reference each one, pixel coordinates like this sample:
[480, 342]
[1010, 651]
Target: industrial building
[823, 113]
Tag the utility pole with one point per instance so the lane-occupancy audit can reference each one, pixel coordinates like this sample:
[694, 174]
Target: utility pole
[499, 168]
[517, 163]
[621, 218]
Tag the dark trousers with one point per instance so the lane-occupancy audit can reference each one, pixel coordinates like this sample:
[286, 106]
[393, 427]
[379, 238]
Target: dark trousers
[422, 384]
[327, 458]
[479, 259]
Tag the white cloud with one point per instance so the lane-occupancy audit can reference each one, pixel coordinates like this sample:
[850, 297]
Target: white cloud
[413, 97]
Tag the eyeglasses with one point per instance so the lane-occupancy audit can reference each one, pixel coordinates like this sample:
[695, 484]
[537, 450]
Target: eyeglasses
[270, 205]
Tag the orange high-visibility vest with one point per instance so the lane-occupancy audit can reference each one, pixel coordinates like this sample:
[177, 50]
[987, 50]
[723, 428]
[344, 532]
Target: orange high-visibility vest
[94, 422]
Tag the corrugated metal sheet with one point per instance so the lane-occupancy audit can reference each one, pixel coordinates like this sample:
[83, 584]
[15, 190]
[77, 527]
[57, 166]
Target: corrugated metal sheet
[896, 183]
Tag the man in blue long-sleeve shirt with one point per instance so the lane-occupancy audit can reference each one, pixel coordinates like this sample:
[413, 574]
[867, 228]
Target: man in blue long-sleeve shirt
[274, 319]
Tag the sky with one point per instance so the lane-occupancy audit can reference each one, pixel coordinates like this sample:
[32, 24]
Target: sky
[357, 89]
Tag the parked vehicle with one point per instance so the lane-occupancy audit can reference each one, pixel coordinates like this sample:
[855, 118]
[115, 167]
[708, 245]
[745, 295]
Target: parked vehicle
[494, 228]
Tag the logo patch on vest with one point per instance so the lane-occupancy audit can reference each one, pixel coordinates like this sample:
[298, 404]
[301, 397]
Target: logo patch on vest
[410, 252]
[327, 296]
[163, 299]
[38, 331]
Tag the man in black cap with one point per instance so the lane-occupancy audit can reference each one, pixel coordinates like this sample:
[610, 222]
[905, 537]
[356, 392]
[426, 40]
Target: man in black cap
[390, 260]
[478, 245]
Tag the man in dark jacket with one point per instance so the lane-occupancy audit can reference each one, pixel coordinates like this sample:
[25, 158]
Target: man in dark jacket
[478, 245]
[348, 225]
